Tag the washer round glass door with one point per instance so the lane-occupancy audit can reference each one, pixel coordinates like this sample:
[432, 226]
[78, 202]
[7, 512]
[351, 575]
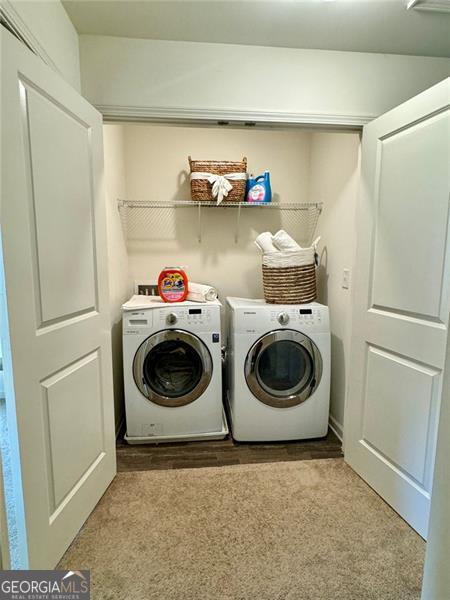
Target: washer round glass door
[283, 368]
[172, 367]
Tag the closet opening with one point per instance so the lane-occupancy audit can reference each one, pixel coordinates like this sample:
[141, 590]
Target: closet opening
[146, 166]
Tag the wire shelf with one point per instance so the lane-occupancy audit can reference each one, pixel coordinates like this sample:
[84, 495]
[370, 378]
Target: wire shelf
[192, 203]
[140, 225]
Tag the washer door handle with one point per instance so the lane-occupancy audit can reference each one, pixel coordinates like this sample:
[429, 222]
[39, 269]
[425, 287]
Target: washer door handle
[255, 355]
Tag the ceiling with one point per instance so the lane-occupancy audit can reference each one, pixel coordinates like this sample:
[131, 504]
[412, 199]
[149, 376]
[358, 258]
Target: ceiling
[356, 25]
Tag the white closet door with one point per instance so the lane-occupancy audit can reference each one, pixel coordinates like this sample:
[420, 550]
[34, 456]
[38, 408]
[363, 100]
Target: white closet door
[54, 250]
[401, 303]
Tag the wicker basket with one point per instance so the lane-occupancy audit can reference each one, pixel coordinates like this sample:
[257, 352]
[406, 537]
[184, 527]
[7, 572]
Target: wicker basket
[201, 189]
[289, 285]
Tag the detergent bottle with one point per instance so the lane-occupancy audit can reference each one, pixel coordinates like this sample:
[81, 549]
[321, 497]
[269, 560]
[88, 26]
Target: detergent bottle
[173, 284]
[258, 188]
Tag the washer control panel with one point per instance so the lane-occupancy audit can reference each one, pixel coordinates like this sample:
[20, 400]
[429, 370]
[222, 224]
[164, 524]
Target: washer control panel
[172, 318]
[297, 316]
[193, 318]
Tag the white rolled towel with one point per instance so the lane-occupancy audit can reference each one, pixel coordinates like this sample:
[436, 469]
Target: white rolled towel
[290, 258]
[283, 241]
[197, 292]
[264, 242]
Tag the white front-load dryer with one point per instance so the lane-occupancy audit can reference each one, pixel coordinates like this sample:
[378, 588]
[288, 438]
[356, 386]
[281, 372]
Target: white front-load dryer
[172, 371]
[278, 361]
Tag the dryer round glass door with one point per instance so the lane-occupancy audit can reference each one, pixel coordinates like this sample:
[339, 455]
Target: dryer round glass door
[172, 367]
[283, 368]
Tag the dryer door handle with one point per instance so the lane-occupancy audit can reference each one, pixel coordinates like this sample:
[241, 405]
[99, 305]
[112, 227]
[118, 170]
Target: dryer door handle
[255, 353]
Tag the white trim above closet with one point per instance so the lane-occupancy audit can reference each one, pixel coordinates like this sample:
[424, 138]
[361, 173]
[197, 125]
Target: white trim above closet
[229, 116]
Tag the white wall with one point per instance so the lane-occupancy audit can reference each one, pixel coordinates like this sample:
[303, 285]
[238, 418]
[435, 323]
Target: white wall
[156, 169]
[47, 24]
[119, 282]
[203, 77]
[334, 181]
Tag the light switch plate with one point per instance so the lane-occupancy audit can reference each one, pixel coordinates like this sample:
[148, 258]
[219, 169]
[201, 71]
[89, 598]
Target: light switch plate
[346, 279]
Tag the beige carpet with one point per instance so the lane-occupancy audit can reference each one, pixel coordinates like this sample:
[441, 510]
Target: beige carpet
[307, 530]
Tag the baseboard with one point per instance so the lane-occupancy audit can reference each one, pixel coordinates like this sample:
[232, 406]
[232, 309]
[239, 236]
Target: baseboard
[336, 428]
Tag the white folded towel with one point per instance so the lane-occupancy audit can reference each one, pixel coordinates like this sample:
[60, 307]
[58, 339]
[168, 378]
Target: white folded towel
[283, 241]
[138, 302]
[290, 258]
[264, 242]
[197, 292]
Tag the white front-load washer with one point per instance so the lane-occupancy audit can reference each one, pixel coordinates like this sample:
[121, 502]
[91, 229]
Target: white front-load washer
[278, 359]
[172, 371]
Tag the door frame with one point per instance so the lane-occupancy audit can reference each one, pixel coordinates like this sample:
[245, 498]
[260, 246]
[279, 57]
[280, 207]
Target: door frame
[12, 442]
[11, 19]
[5, 562]
[436, 575]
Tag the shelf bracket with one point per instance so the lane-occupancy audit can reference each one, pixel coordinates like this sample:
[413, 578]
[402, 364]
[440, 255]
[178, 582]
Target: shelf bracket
[122, 207]
[199, 221]
[238, 223]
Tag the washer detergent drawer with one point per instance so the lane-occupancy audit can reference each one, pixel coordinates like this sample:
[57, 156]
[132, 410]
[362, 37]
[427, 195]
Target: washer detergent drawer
[137, 322]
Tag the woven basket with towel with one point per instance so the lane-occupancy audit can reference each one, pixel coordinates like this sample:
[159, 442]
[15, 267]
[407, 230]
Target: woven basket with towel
[289, 271]
[218, 180]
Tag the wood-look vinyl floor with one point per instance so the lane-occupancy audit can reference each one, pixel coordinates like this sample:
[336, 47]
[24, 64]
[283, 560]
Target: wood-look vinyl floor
[219, 453]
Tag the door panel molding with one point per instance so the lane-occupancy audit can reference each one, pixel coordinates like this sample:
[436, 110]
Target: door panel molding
[417, 390]
[406, 314]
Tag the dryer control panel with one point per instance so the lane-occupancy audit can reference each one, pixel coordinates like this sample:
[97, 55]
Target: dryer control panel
[296, 316]
[248, 317]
